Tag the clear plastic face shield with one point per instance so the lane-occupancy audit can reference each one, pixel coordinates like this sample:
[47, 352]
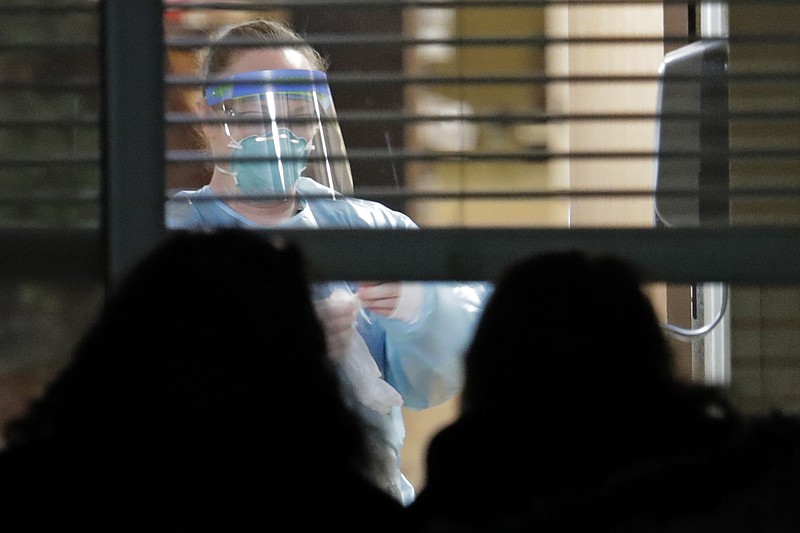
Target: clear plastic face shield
[281, 124]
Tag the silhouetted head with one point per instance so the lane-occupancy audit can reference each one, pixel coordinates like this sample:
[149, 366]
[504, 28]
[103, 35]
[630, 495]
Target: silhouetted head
[566, 329]
[208, 355]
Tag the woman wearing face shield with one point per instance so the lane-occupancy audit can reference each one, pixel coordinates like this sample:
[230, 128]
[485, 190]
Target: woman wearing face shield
[280, 161]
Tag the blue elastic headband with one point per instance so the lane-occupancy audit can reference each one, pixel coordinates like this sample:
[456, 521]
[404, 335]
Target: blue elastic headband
[262, 81]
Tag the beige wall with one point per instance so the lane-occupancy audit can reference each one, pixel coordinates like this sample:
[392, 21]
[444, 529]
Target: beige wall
[625, 173]
[481, 99]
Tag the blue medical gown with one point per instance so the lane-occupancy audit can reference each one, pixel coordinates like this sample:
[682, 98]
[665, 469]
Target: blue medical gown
[423, 361]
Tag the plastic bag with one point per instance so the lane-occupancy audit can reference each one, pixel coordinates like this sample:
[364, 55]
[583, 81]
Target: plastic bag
[362, 371]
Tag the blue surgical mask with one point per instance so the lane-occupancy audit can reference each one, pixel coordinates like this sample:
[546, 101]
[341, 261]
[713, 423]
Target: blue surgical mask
[263, 176]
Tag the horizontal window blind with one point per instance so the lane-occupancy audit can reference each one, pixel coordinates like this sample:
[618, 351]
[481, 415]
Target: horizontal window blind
[52, 257]
[665, 132]
[512, 117]
[521, 117]
[49, 116]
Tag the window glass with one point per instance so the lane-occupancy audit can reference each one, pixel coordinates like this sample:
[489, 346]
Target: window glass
[50, 184]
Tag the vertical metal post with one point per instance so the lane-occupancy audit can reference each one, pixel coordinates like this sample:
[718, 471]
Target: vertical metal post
[133, 144]
[717, 348]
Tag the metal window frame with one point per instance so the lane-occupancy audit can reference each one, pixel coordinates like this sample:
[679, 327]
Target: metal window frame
[133, 143]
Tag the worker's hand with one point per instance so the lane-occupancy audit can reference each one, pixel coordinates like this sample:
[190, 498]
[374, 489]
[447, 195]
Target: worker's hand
[338, 315]
[401, 301]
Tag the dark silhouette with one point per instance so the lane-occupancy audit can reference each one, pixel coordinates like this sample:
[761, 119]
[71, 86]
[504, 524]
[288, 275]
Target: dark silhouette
[202, 393]
[571, 420]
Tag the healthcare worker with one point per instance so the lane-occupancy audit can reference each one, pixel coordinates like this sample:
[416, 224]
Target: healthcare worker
[280, 161]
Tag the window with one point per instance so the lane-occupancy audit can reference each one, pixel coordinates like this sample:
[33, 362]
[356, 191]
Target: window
[501, 127]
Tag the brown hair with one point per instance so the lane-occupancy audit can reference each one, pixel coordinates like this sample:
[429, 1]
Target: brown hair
[231, 40]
